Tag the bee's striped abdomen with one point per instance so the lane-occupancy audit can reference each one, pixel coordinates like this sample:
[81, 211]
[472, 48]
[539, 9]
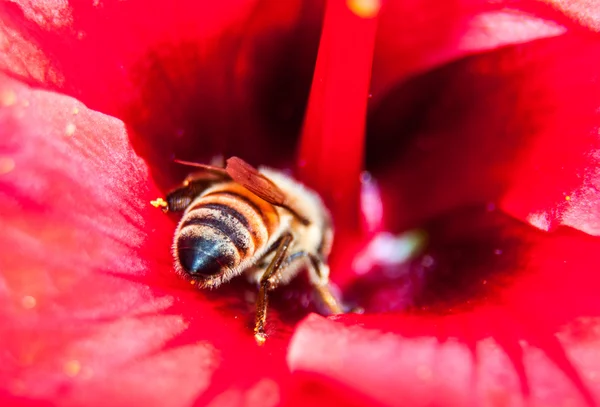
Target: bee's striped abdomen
[222, 228]
[220, 218]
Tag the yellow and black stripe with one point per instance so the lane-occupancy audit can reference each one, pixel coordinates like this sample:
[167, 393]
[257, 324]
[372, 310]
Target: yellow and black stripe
[223, 227]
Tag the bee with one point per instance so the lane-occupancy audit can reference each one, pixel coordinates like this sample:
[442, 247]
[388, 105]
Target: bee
[258, 222]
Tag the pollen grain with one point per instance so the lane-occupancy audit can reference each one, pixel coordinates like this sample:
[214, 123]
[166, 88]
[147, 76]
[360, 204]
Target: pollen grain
[70, 129]
[7, 164]
[72, 368]
[364, 8]
[28, 302]
[8, 97]
[160, 203]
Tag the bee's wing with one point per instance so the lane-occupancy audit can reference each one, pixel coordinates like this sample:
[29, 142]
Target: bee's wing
[210, 169]
[249, 177]
[246, 175]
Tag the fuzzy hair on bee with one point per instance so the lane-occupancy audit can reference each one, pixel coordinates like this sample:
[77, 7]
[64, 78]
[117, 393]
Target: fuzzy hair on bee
[258, 222]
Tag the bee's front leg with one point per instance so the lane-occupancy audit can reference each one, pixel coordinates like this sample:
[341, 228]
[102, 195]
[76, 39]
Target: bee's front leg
[180, 198]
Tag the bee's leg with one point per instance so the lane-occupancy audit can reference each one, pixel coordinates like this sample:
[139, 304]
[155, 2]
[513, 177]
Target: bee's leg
[291, 260]
[266, 284]
[318, 274]
[181, 197]
[319, 277]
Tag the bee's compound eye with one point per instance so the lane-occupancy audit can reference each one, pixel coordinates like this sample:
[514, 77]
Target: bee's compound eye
[200, 256]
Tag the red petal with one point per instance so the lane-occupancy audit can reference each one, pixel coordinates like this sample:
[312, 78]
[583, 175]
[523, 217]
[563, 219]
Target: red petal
[557, 181]
[176, 74]
[74, 213]
[491, 311]
[417, 36]
[423, 370]
[90, 49]
[517, 126]
[585, 13]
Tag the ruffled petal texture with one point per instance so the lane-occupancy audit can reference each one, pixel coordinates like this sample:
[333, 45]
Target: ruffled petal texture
[192, 79]
[76, 248]
[493, 311]
[523, 135]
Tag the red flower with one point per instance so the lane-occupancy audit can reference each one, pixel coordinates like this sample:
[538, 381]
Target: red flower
[481, 136]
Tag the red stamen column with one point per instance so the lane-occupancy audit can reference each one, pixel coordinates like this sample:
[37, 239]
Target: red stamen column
[332, 143]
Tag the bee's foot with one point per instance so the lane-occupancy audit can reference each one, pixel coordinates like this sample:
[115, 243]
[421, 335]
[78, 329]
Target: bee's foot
[260, 338]
[356, 310]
